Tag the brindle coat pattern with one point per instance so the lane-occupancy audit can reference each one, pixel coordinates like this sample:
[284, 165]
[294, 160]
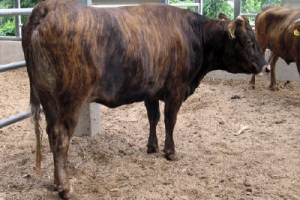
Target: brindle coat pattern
[274, 29]
[77, 54]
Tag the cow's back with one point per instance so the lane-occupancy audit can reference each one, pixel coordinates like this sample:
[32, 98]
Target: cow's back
[271, 29]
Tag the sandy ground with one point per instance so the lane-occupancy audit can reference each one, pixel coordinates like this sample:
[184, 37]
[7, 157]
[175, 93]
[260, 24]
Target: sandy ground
[218, 161]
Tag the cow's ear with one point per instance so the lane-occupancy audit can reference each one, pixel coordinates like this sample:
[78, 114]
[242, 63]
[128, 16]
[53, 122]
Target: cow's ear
[296, 32]
[294, 28]
[231, 27]
[222, 16]
[240, 20]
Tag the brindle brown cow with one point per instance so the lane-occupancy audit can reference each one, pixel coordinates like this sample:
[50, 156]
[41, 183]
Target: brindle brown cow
[277, 29]
[77, 54]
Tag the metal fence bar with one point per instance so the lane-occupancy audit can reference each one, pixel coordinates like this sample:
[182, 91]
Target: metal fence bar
[11, 66]
[15, 11]
[248, 14]
[176, 5]
[14, 119]
[10, 38]
[113, 6]
[185, 4]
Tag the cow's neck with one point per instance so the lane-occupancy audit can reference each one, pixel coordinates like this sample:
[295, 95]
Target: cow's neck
[215, 37]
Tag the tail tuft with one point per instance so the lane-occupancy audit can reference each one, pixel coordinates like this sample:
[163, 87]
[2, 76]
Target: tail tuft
[35, 112]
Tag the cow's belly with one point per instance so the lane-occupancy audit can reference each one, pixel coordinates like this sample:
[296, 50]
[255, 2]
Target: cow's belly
[118, 97]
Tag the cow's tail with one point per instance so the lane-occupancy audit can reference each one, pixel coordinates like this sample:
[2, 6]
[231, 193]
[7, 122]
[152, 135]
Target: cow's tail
[35, 112]
[29, 36]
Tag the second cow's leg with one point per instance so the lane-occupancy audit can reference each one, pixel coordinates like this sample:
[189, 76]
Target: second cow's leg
[252, 82]
[273, 59]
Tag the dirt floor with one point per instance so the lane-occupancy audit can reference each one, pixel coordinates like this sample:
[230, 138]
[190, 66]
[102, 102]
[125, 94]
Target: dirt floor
[234, 143]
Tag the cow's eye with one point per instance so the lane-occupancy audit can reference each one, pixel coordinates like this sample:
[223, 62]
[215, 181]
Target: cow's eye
[249, 42]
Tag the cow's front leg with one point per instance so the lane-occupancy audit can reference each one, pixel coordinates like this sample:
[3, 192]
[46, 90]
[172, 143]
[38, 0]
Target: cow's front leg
[59, 142]
[153, 113]
[171, 110]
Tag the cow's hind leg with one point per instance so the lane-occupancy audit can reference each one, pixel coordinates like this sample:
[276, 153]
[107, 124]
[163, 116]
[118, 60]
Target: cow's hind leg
[298, 65]
[273, 59]
[172, 107]
[152, 107]
[59, 137]
[252, 82]
[50, 111]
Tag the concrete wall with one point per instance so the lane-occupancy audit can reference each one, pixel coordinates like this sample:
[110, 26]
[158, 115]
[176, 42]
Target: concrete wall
[291, 3]
[10, 51]
[283, 72]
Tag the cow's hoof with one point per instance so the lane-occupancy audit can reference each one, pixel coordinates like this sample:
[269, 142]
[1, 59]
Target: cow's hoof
[172, 157]
[274, 88]
[152, 149]
[67, 194]
[251, 87]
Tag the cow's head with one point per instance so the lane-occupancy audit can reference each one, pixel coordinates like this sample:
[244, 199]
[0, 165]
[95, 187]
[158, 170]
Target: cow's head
[295, 28]
[242, 53]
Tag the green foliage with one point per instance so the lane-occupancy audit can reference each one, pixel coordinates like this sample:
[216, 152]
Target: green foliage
[8, 29]
[255, 6]
[184, 1]
[24, 3]
[212, 8]
[7, 24]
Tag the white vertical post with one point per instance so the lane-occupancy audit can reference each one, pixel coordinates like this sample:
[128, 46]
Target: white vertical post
[89, 122]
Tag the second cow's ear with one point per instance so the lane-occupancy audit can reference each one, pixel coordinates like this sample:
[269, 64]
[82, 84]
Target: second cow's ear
[294, 28]
[240, 21]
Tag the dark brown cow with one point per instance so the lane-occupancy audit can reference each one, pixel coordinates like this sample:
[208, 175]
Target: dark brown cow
[277, 29]
[77, 54]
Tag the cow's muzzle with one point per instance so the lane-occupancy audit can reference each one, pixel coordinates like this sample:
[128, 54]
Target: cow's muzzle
[265, 70]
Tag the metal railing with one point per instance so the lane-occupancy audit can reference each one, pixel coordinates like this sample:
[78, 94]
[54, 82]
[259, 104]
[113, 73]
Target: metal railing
[11, 66]
[14, 12]
[21, 116]
[198, 5]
